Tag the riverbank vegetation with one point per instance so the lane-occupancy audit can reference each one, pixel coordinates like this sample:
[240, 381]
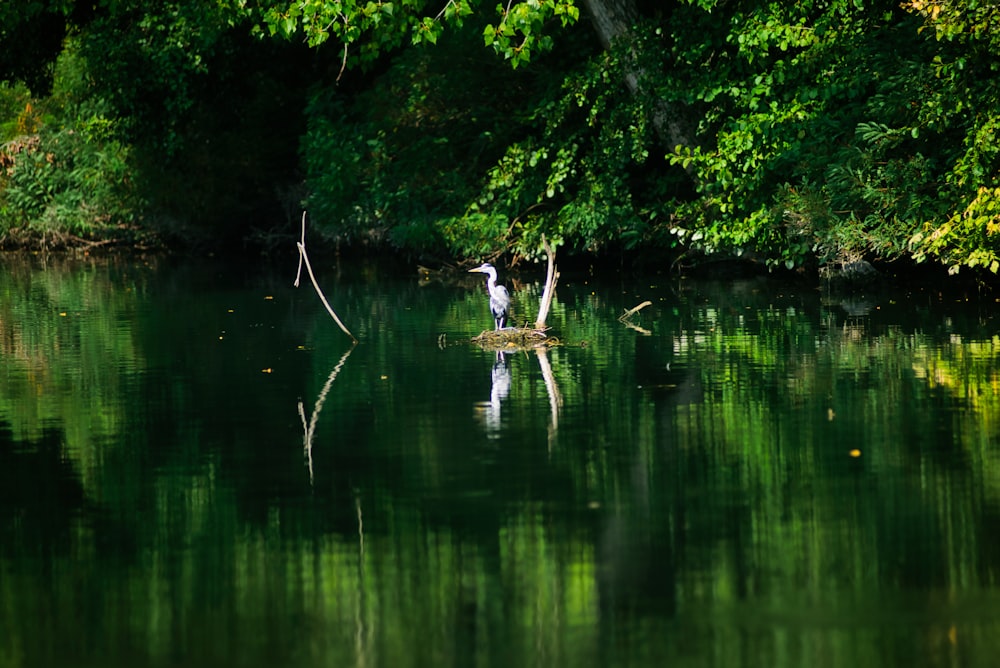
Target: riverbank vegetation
[813, 134]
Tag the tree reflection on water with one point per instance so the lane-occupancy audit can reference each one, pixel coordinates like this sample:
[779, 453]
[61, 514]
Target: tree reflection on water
[760, 477]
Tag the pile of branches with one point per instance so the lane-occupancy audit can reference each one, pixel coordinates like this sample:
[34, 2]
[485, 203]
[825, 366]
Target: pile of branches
[515, 338]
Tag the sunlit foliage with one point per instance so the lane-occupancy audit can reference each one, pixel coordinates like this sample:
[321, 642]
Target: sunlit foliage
[792, 134]
[515, 30]
[63, 164]
[451, 150]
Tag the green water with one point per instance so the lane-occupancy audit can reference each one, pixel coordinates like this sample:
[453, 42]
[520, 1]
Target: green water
[198, 469]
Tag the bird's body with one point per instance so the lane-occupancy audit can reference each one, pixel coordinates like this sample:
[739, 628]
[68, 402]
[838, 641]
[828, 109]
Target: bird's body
[499, 297]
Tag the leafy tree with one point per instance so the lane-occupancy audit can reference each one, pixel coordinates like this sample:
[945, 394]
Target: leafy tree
[210, 115]
[517, 31]
[426, 157]
[823, 131]
[65, 168]
[965, 100]
[794, 125]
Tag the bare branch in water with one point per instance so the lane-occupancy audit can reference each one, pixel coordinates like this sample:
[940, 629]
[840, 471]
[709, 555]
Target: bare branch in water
[625, 318]
[304, 259]
[551, 277]
[632, 311]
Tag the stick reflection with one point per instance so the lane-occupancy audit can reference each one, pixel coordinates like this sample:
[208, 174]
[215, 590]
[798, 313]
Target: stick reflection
[500, 385]
[552, 389]
[309, 428]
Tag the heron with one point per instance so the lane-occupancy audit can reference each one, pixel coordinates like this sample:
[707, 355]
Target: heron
[499, 297]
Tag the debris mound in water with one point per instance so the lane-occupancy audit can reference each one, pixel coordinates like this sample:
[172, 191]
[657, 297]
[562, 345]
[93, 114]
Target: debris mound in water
[515, 338]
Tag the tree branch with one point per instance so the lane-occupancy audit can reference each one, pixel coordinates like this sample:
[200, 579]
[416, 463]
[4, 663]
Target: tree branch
[304, 259]
[551, 277]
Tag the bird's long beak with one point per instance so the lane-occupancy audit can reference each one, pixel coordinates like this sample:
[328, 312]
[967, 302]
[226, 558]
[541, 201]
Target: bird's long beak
[477, 270]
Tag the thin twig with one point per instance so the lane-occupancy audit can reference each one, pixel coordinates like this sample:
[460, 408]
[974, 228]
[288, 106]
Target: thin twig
[343, 64]
[444, 9]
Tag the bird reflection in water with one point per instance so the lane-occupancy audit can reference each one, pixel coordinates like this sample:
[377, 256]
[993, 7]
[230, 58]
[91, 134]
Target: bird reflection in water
[499, 389]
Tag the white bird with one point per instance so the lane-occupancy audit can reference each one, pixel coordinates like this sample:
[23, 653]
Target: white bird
[499, 297]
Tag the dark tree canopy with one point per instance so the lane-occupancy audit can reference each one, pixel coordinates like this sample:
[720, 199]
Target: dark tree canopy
[793, 133]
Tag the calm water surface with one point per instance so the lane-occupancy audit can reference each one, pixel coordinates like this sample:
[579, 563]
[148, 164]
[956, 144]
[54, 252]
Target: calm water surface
[198, 469]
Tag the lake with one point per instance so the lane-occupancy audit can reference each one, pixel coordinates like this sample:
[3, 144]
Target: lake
[198, 468]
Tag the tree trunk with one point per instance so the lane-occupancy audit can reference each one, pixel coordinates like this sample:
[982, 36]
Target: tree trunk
[615, 19]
